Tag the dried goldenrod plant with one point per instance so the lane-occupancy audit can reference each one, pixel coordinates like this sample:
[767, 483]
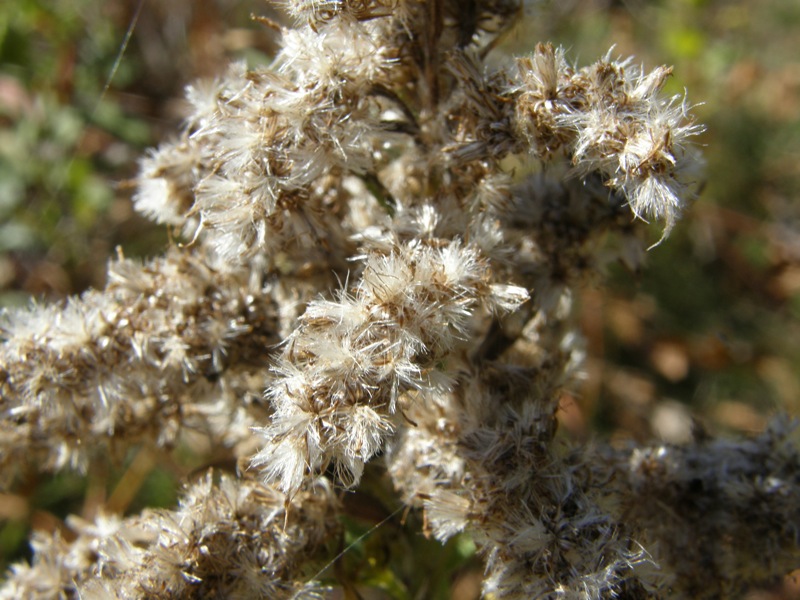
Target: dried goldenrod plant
[454, 208]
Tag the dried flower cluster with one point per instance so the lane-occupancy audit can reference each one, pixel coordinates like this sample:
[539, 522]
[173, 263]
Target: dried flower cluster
[455, 208]
[229, 539]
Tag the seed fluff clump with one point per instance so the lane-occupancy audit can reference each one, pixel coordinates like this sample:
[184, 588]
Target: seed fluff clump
[365, 277]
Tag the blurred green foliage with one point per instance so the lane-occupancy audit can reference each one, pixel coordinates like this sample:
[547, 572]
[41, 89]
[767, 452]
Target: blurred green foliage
[713, 322]
[61, 144]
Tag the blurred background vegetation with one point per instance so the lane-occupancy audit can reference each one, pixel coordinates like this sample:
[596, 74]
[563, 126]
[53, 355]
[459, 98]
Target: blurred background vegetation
[706, 337]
